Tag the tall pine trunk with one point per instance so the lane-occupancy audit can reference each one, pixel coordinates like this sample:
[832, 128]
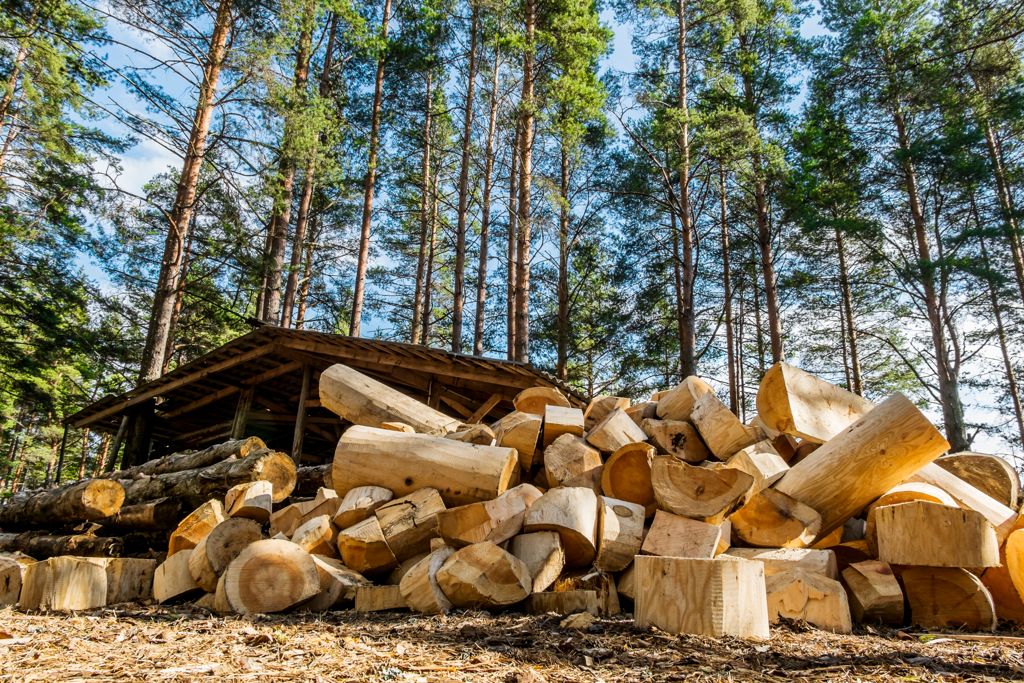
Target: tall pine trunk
[730, 343]
[419, 297]
[856, 383]
[1006, 206]
[513, 232]
[526, 123]
[460, 228]
[687, 333]
[485, 213]
[1004, 348]
[562, 322]
[428, 307]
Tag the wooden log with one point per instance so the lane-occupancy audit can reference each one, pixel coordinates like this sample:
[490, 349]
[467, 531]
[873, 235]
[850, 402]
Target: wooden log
[641, 411]
[11, 573]
[363, 548]
[786, 445]
[520, 431]
[363, 400]
[34, 582]
[359, 503]
[484, 575]
[74, 583]
[84, 501]
[462, 473]
[762, 462]
[195, 526]
[720, 429]
[1008, 602]
[395, 426]
[990, 474]
[408, 523]
[709, 495]
[676, 438]
[379, 598]
[214, 552]
[947, 597]
[536, 399]
[270, 576]
[599, 407]
[933, 535]
[543, 555]
[813, 598]
[615, 431]
[172, 579]
[317, 536]
[559, 421]
[398, 573]
[880, 450]
[620, 533]
[42, 545]
[286, 520]
[572, 512]
[1004, 519]
[129, 579]
[310, 478]
[625, 585]
[795, 402]
[875, 594]
[419, 586]
[251, 500]
[910, 491]
[480, 434]
[600, 583]
[772, 519]
[338, 584]
[494, 520]
[777, 560]
[627, 476]
[674, 536]
[326, 502]
[570, 461]
[678, 403]
[565, 602]
[702, 597]
[162, 513]
[803, 450]
[1013, 552]
[190, 460]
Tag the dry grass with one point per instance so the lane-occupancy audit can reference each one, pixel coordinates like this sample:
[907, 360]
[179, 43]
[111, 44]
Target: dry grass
[184, 643]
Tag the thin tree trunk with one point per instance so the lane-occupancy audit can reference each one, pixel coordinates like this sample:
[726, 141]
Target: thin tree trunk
[418, 309]
[179, 301]
[687, 333]
[562, 323]
[429, 275]
[1006, 206]
[513, 213]
[485, 213]
[85, 452]
[101, 460]
[740, 365]
[307, 276]
[526, 115]
[730, 350]
[856, 383]
[1011, 378]
[758, 325]
[677, 285]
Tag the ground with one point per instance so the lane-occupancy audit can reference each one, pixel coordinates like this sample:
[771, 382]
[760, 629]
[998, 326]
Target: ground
[185, 643]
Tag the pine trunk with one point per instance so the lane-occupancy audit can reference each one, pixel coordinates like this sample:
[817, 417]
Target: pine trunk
[562, 323]
[421, 262]
[856, 385]
[513, 213]
[730, 342]
[526, 131]
[485, 214]
[460, 228]
[687, 337]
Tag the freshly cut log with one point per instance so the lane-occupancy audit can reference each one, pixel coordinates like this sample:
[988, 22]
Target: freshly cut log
[520, 431]
[1007, 601]
[615, 431]
[310, 478]
[543, 555]
[795, 402]
[359, 503]
[721, 430]
[875, 594]
[762, 462]
[172, 579]
[395, 426]
[251, 500]
[35, 583]
[84, 501]
[536, 399]
[11, 572]
[674, 536]
[831, 539]
[43, 545]
[270, 576]
[813, 598]
[484, 575]
[461, 472]
[338, 584]
[286, 520]
[600, 583]
[627, 475]
[620, 533]
[772, 519]
[128, 579]
[599, 407]
[778, 560]
[910, 491]
[363, 548]
[947, 597]
[1014, 555]
[641, 411]
[566, 602]
[494, 520]
[191, 460]
[572, 512]
[709, 495]
[220, 599]
[990, 474]
[570, 461]
[933, 535]
[317, 537]
[703, 597]
[398, 573]
[480, 434]
[678, 403]
[162, 513]
[217, 549]
[880, 450]
[326, 502]
[676, 438]
[74, 583]
[1004, 519]
[725, 540]
[195, 526]
[379, 598]
[626, 583]
[419, 586]
[363, 400]
[408, 523]
[558, 421]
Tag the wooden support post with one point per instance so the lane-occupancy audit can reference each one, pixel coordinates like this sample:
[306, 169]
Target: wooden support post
[485, 408]
[60, 457]
[241, 413]
[300, 415]
[116, 447]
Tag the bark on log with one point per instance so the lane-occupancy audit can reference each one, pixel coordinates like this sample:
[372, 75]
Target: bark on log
[308, 480]
[41, 545]
[84, 501]
[162, 513]
[191, 460]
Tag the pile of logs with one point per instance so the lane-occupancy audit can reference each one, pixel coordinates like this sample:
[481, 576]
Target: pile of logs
[825, 508]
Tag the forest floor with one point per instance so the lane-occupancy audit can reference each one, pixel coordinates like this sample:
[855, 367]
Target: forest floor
[185, 643]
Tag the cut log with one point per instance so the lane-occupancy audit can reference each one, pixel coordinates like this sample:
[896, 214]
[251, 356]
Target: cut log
[627, 475]
[626, 583]
[379, 598]
[702, 597]
[480, 434]
[270, 576]
[363, 548]
[42, 545]
[570, 461]
[786, 445]
[172, 580]
[191, 460]
[363, 400]
[851, 552]
[772, 519]
[408, 523]
[195, 526]
[762, 462]
[398, 573]
[1008, 602]
[461, 472]
[990, 474]
[1004, 519]
[803, 450]
[395, 426]
[338, 584]
[34, 585]
[640, 412]
[536, 399]
[559, 421]
[543, 555]
[933, 535]
[947, 597]
[419, 586]
[678, 403]
[778, 560]
[495, 520]
[599, 583]
[286, 520]
[1014, 555]
[75, 583]
[572, 512]
[128, 579]
[84, 501]
[676, 438]
[795, 402]
[251, 500]
[910, 491]
[720, 429]
[220, 599]
[359, 503]
[812, 598]
[875, 594]
[674, 536]
[520, 431]
[162, 513]
[566, 602]
[709, 495]
[218, 548]
[11, 573]
[599, 407]
[317, 537]
[620, 533]
[880, 450]
[309, 479]
[484, 575]
[615, 431]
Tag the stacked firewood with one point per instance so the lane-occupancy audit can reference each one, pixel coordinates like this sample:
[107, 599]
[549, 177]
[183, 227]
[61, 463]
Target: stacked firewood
[825, 508]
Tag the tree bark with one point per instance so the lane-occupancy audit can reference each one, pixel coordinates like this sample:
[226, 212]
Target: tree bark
[526, 123]
[1006, 205]
[485, 213]
[428, 279]
[1011, 378]
[856, 385]
[421, 263]
[562, 323]
[513, 213]
[687, 334]
[730, 342]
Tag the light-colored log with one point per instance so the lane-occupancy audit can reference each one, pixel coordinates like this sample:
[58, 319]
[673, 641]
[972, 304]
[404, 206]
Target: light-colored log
[709, 495]
[813, 598]
[338, 584]
[536, 399]
[1007, 600]
[795, 402]
[399, 572]
[678, 403]
[195, 526]
[720, 429]
[875, 594]
[217, 549]
[558, 421]
[395, 426]
[484, 575]
[640, 412]
[251, 500]
[777, 560]
[359, 503]
[762, 462]
[599, 407]
[620, 533]
[172, 579]
[11, 573]
[989, 474]
[910, 491]
[627, 475]
[1004, 519]
[597, 582]
[933, 535]
[572, 512]
[480, 434]
[565, 602]
[317, 536]
[543, 555]
[286, 520]
[326, 502]
[494, 520]
[674, 536]
[625, 585]
[419, 585]
[771, 519]
[676, 438]
[363, 548]
[379, 599]
[408, 523]
[270, 576]
[75, 583]
[520, 431]
[1013, 552]
[35, 583]
[570, 461]
[83, 501]
[615, 431]
[947, 597]
[786, 445]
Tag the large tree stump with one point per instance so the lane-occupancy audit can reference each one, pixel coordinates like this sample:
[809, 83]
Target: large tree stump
[947, 597]
[270, 576]
[572, 512]
[484, 575]
[703, 493]
[84, 501]
[795, 402]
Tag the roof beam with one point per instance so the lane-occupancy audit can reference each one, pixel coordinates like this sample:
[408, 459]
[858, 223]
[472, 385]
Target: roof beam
[229, 391]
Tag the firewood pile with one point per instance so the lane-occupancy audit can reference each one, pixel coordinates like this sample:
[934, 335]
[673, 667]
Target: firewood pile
[825, 508]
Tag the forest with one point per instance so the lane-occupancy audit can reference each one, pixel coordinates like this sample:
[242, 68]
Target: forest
[623, 193]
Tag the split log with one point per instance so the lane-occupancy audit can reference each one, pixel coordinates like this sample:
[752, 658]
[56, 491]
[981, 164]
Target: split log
[703, 493]
[786, 445]
[317, 537]
[880, 450]
[494, 520]
[408, 523]
[195, 526]
[363, 400]
[419, 586]
[615, 431]
[480, 434]
[217, 549]
[776, 560]
[74, 583]
[676, 438]
[803, 450]
[989, 474]
[270, 576]
[543, 555]
[703, 597]
[720, 429]
[558, 421]
[674, 536]
[762, 462]
[461, 472]
[910, 491]
[379, 598]
[359, 503]
[599, 407]
[570, 461]
[627, 475]
[172, 580]
[813, 598]
[11, 573]
[642, 411]
[875, 594]
[572, 512]
[286, 520]
[162, 513]
[191, 460]
[484, 575]
[536, 399]
[363, 548]
[772, 519]
[947, 597]
[251, 500]
[220, 599]
[338, 584]
[1007, 600]
[625, 585]
[1004, 519]
[520, 431]
[678, 403]
[399, 572]
[310, 478]
[851, 552]
[84, 501]
[620, 533]
[43, 545]
[795, 402]
[932, 535]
